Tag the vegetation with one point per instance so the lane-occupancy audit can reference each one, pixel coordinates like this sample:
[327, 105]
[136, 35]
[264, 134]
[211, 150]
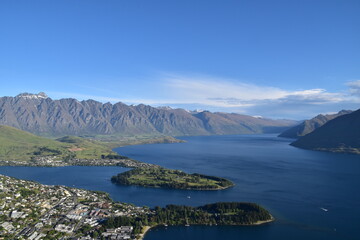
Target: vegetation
[26, 148]
[222, 213]
[167, 178]
[342, 134]
[117, 140]
[17, 145]
[113, 156]
[309, 126]
[89, 149]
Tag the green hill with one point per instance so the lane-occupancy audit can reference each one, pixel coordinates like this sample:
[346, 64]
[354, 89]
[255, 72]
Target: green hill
[85, 148]
[17, 145]
[341, 134]
[308, 126]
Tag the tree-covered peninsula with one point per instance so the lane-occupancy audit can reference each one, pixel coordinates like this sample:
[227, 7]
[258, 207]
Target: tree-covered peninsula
[167, 178]
[221, 213]
[71, 213]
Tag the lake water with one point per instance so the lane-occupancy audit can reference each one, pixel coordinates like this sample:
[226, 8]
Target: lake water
[292, 183]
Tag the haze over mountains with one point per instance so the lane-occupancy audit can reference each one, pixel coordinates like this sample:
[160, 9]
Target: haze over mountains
[310, 125]
[39, 114]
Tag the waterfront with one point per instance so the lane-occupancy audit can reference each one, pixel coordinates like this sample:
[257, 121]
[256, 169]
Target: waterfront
[293, 184]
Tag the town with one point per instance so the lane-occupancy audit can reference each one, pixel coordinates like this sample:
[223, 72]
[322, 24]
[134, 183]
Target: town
[55, 161]
[29, 210]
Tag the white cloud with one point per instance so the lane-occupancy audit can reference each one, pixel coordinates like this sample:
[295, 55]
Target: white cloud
[354, 87]
[206, 88]
[313, 96]
[228, 95]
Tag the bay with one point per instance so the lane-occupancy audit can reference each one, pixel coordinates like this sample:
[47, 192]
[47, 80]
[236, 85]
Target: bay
[294, 184]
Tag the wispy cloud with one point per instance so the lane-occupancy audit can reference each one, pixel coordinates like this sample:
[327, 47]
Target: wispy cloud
[202, 88]
[219, 94]
[313, 96]
[354, 87]
[229, 93]
[236, 96]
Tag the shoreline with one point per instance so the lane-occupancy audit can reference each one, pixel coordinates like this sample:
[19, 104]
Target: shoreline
[263, 222]
[146, 229]
[130, 164]
[186, 189]
[125, 163]
[171, 179]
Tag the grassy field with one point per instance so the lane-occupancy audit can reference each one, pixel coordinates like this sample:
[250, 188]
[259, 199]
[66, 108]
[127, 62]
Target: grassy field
[20, 145]
[25, 148]
[161, 177]
[123, 140]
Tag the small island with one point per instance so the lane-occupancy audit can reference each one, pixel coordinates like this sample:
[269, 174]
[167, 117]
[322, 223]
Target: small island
[68, 213]
[59, 212]
[168, 178]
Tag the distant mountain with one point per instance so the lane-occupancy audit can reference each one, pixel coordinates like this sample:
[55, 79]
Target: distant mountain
[341, 134]
[39, 114]
[310, 125]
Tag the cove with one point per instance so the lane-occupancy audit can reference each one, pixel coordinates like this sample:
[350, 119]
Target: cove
[293, 184]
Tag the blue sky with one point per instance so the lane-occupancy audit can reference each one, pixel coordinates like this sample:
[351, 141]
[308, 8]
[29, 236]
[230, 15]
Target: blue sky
[279, 59]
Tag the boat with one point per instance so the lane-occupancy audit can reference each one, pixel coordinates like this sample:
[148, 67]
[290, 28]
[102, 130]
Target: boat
[324, 209]
[187, 225]
[188, 197]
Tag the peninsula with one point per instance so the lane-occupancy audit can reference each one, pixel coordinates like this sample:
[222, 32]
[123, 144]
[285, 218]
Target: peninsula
[221, 213]
[71, 213]
[167, 178]
[59, 212]
[20, 148]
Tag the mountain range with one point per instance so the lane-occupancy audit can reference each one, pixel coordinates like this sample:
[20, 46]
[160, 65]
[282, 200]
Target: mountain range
[308, 126]
[41, 115]
[342, 134]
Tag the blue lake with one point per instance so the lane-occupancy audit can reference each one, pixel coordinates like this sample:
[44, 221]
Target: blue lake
[292, 183]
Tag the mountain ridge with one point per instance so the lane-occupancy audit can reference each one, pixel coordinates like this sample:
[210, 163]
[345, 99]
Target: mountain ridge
[310, 125]
[39, 114]
[342, 134]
